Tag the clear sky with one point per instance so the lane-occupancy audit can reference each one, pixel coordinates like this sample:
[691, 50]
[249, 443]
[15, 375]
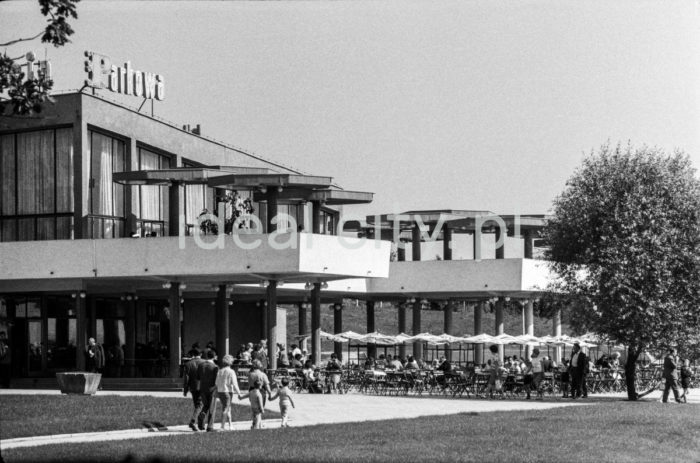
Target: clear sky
[452, 104]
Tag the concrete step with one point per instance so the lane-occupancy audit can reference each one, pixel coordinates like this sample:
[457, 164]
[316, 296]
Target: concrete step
[107, 384]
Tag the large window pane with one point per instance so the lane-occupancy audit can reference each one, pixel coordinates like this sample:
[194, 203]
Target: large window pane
[102, 199]
[7, 175]
[153, 199]
[35, 172]
[64, 170]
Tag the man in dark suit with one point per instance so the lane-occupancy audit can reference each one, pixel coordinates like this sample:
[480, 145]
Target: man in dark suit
[671, 375]
[206, 375]
[190, 384]
[578, 367]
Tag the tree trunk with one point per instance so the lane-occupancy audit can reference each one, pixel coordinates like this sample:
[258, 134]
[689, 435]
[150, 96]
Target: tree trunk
[631, 373]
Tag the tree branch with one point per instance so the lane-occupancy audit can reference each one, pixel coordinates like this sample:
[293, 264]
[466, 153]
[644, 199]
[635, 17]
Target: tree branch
[12, 42]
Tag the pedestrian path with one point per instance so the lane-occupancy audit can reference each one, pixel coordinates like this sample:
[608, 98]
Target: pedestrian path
[312, 409]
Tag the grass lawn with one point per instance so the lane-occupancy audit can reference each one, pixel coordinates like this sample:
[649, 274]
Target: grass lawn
[615, 431]
[37, 415]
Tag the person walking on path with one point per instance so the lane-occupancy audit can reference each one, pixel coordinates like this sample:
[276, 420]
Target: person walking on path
[190, 384]
[5, 361]
[257, 406]
[686, 374]
[285, 396]
[226, 385]
[578, 368]
[206, 375]
[257, 373]
[534, 369]
[671, 375]
[95, 358]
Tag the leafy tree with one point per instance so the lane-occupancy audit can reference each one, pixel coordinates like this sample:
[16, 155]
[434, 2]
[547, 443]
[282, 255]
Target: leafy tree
[26, 96]
[624, 238]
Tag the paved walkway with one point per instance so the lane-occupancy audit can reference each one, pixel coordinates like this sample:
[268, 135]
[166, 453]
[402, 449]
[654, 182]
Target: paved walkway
[314, 409]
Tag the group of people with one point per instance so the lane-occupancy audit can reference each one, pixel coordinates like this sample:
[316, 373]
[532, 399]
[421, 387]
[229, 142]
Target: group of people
[206, 382]
[672, 373]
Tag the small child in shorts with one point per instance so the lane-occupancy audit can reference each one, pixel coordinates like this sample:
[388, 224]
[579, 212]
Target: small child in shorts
[285, 396]
[257, 406]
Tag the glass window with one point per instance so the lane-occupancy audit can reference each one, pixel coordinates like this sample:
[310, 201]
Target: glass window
[35, 172]
[8, 194]
[107, 155]
[153, 200]
[36, 185]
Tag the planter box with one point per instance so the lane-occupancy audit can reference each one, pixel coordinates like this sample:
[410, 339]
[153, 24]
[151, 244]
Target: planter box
[78, 382]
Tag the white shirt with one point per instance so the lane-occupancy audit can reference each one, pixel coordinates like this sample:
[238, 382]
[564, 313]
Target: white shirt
[226, 380]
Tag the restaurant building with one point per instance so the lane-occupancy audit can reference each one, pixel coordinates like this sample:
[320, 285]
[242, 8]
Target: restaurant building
[101, 236]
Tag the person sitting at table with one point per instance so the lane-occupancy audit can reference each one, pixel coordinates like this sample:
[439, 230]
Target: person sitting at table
[615, 360]
[334, 367]
[396, 364]
[311, 379]
[381, 362]
[445, 365]
[370, 363]
[434, 364]
[297, 363]
[515, 367]
[411, 364]
[547, 364]
[603, 362]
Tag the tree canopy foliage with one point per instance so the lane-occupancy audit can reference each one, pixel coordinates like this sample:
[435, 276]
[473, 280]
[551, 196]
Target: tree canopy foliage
[624, 238]
[22, 94]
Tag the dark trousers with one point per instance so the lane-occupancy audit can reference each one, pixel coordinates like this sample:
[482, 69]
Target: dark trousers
[197, 401]
[206, 416]
[671, 383]
[5, 373]
[579, 388]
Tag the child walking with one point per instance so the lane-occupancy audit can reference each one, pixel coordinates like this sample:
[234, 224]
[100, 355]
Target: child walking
[285, 396]
[257, 406]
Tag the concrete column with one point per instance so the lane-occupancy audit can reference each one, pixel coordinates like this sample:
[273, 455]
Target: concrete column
[271, 198]
[446, 242]
[529, 325]
[316, 324]
[500, 303]
[371, 348]
[272, 325]
[448, 326]
[477, 245]
[417, 346]
[130, 332]
[338, 327]
[175, 335]
[402, 328]
[81, 331]
[303, 328]
[264, 324]
[92, 317]
[221, 318]
[316, 217]
[556, 331]
[415, 242]
[478, 348]
[400, 253]
[528, 244]
[500, 248]
[174, 209]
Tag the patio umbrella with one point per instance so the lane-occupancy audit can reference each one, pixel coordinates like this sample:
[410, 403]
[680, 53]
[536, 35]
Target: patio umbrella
[379, 339]
[350, 335]
[504, 339]
[451, 339]
[332, 337]
[529, 340]
[427, 337]
[482, 338]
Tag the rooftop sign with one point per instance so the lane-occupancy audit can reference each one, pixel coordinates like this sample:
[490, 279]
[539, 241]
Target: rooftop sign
[102, 73]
